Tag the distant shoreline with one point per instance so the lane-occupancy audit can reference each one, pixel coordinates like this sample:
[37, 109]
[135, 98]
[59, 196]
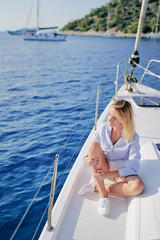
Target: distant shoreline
[92, 33]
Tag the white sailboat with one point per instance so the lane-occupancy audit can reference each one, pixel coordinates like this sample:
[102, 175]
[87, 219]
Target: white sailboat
[134, 218]
[43, 34]
[156, 35]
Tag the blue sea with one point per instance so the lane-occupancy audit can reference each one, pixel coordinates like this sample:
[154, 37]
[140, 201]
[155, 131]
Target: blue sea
[48, 89]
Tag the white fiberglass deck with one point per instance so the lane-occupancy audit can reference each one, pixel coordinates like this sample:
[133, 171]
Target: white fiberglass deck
[136, 218]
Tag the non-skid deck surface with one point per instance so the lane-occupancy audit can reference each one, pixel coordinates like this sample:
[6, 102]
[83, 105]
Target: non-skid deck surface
[85, 223]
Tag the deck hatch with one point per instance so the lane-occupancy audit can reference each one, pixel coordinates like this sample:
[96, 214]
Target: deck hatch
[144, 101]
[158, 146]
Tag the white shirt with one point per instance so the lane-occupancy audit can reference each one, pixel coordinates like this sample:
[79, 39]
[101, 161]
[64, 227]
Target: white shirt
[122, 156]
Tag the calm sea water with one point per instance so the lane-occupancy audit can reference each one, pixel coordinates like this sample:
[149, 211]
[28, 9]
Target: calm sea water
[45, 88]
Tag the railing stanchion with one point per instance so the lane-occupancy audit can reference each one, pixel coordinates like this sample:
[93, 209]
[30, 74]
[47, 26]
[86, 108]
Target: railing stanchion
[49, 227]
[96, 114]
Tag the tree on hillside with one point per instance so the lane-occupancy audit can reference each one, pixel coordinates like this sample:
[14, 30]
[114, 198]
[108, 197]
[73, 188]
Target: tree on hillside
[124, 15]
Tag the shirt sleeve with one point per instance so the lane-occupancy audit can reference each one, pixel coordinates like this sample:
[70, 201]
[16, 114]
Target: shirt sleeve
[96, 137]
[133, 163]
[99, 134]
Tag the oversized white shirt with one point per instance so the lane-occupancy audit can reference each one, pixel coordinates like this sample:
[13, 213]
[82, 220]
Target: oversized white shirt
[122, 156]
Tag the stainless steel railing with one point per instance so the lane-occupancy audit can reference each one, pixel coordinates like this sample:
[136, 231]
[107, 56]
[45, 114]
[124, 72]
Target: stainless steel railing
[124, 74]
[149, 72]
[53, 186]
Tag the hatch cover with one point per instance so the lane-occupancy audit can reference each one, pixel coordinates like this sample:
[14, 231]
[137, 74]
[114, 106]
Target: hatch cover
[144, 101]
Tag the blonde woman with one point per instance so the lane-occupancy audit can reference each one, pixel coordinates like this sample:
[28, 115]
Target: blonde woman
[114, 153]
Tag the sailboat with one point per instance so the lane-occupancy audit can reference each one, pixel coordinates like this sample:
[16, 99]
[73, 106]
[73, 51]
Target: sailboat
[134, 218]
[108, 34]
[156, 35]
[16, 32]
[22, 31]
[43, 34]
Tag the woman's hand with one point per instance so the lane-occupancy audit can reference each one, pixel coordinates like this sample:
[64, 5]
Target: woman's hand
[100, 175]
[91, 162]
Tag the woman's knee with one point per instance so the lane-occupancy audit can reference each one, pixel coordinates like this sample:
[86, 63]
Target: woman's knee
[140, 187]
[94, 147]
[135, 187]
[95, 151]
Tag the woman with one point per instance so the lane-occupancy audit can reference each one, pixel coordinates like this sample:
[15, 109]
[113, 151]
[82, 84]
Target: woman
[114, 153]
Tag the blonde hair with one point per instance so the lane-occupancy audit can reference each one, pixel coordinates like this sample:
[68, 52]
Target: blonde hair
[125, 117]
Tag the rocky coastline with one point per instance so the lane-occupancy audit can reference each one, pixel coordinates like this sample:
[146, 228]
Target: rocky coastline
[92, 33]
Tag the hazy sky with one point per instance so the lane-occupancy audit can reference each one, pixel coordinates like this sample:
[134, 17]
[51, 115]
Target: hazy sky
[14, 14]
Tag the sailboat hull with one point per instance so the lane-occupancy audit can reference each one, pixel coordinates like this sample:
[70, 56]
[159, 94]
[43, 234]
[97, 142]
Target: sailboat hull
[44, 37]
[155, 36]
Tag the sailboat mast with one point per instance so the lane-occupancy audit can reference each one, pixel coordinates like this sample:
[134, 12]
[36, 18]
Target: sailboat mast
[108, 19]
[156, 31]
[38, 15]
[135, 55]
[140, 25]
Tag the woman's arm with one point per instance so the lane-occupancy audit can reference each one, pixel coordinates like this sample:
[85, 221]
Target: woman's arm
[101, 175]
[134, 156]
[91, 162]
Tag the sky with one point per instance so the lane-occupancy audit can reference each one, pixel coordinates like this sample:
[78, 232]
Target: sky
[14, 14]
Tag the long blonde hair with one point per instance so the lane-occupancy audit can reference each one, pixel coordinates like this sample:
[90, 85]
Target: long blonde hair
[125, 117]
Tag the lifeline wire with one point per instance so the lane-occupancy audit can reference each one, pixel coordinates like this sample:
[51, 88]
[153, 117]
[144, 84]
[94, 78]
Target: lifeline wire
[13, 235]
[18, 226]
[59, 182]
[147, 71]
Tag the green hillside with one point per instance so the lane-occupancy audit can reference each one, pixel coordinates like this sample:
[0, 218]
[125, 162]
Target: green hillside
[124, 16]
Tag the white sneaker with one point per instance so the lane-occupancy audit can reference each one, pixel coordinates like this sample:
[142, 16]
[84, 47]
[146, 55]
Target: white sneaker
[104, 206]
[88, 188]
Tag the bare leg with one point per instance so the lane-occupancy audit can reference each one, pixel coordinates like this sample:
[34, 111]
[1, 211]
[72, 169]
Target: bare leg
[95, 151]
[129, 186]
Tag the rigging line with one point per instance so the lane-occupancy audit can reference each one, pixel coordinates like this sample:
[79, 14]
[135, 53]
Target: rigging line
[23, 217]
[18, 226]
[40, 221]
[72, 156]
[73, 130]
[60, 180]
[29, 16]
